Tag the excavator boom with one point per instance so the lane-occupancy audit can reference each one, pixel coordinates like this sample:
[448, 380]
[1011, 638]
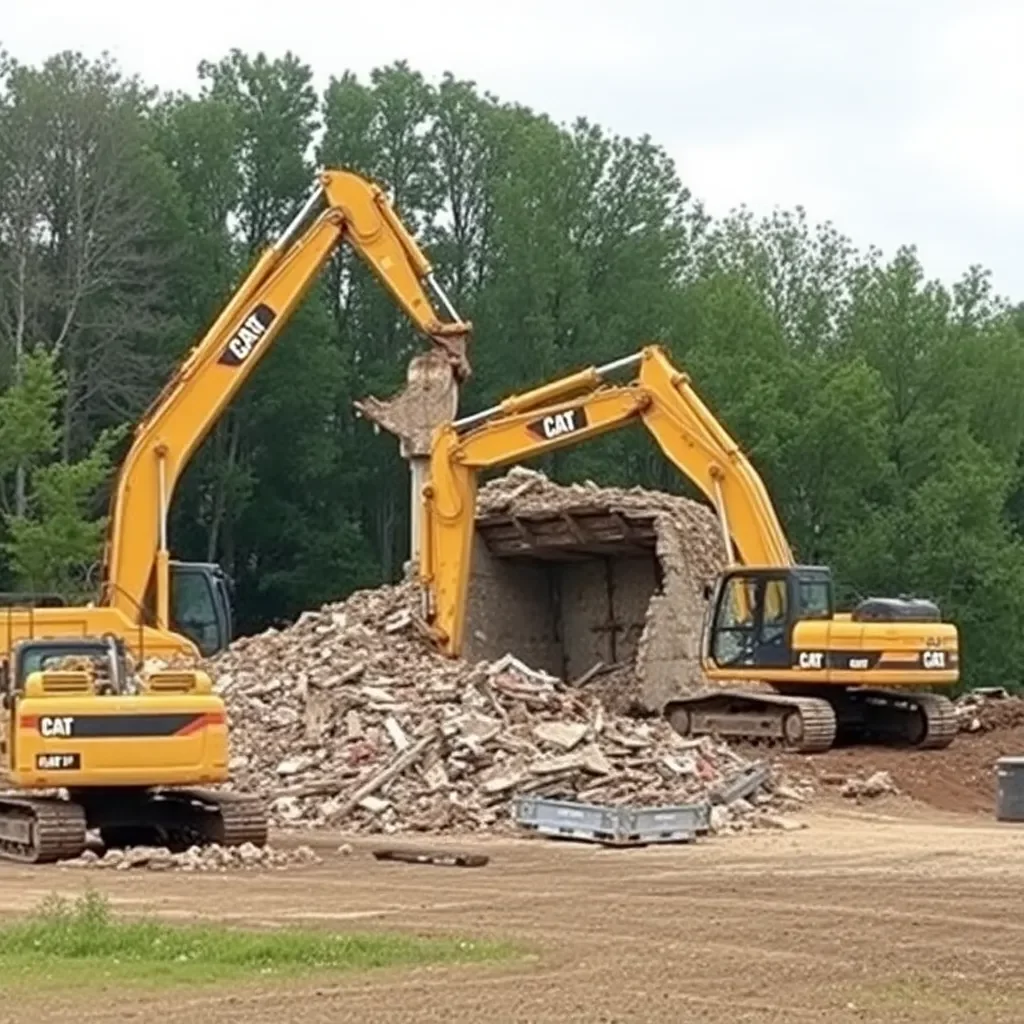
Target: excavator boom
[770, 621]
[136, 585]
[568, 412]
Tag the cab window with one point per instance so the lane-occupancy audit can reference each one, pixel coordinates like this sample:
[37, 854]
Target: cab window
[735, 621]
[815, 599]
[194, 611]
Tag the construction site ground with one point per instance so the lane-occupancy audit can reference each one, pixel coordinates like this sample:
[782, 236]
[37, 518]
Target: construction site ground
[890, 912]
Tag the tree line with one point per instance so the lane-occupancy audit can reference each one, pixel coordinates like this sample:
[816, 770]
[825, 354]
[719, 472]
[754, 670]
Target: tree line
[882, 408]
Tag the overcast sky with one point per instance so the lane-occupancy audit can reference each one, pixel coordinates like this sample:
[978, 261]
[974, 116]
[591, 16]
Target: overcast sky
[900, 121]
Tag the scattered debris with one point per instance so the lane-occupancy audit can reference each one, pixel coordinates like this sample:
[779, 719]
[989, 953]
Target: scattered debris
[878, 784]
[415, 741]
[196, 858]
[441, 858]
[988, 708]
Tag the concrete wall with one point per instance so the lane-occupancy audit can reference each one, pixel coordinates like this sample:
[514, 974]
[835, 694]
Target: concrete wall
[558, 616]
[668, 660]
[511, 609]
[603, 610]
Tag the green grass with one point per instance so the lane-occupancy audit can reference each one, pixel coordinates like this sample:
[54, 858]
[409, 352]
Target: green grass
[82, 942]
[919, 995]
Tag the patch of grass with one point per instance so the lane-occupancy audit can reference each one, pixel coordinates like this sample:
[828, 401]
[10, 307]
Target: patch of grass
[936, 994]
[83, 942]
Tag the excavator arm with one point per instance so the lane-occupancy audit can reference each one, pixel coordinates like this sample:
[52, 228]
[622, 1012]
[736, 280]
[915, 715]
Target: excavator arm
[342, 207]
[769, 620]
[568, 412]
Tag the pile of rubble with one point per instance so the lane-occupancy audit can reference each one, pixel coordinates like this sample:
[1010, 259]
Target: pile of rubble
[349, 719]
[196, 858]
[989, 708]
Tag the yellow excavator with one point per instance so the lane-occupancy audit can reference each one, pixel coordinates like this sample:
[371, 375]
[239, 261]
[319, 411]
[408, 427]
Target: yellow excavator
[131, 751]
[161, 607]
[124, 745]
[821, 673]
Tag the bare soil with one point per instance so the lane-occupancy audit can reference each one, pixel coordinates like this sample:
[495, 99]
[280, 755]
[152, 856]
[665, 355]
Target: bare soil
[897, 913]
[960, 778]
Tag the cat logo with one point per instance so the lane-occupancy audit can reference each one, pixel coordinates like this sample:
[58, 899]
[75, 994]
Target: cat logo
[811, 659]
[933, 659]
[244, 340]
[558, 424]
[56, 727]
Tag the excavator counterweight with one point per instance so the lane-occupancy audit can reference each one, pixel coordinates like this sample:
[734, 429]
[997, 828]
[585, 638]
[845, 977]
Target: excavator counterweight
[771, 623]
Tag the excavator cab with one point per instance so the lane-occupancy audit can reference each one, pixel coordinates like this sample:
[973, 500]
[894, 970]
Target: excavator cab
[755, 610]
[200, 600]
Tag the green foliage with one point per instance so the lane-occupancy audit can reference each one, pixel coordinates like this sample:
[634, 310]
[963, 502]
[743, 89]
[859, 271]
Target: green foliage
[28, 432]
[54, 542]
[82, 940]
[55, 545]
[881, 407]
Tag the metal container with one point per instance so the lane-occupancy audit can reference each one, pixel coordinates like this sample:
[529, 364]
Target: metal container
[1010, 789]
[612, 826]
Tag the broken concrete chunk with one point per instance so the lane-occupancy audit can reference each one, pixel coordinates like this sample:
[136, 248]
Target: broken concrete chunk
[436, 777]
[398, 622]
[353, 725]
[378, 695]
[501, 783]
[510, 663]
[564, 735]
[397, 734]
[479, 728]
[874, 786]
[552, 765]
[350, 675]
[595, 762]
[293, 765]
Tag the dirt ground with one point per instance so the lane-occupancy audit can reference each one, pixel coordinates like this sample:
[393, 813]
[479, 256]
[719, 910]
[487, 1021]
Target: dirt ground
[900, 913]
[960, 778]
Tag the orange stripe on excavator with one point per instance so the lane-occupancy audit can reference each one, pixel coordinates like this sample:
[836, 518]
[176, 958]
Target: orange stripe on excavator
[201, 722]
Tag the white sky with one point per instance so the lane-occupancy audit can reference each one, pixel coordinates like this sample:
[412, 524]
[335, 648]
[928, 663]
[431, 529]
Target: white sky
[902, 121]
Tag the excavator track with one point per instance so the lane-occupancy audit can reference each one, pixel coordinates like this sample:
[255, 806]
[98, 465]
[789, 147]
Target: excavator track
[925, 721]
[202, 817]
[40, 830]
[179, 818]
[243, 818]
[800, 724]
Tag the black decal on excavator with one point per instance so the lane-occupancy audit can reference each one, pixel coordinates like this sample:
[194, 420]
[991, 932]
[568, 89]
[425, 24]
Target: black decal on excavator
[58, 762]
[854, 661]
[568, 421]
[245, 339]
[95, 726]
